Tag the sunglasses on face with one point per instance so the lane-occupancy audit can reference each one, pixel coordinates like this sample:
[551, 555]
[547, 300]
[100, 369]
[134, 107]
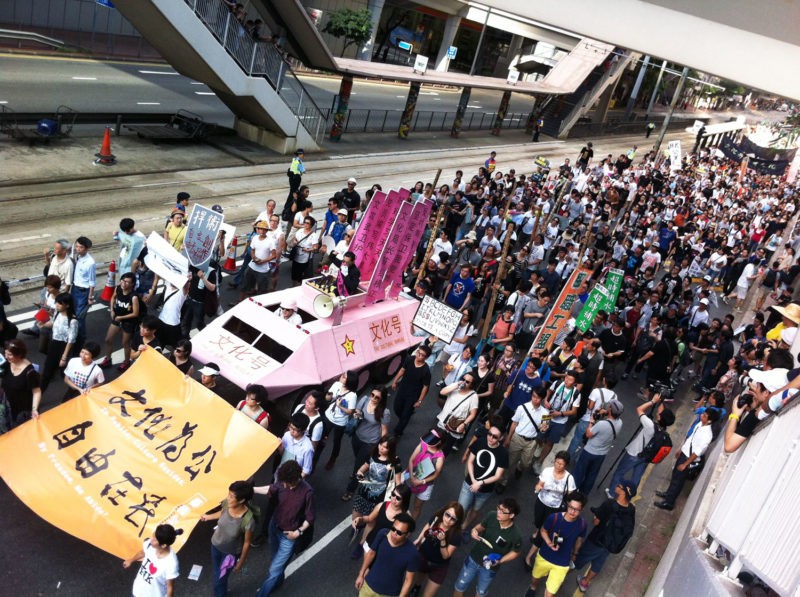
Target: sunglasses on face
[399, 533]
[449, 516]
[396, 497]
[495, 436]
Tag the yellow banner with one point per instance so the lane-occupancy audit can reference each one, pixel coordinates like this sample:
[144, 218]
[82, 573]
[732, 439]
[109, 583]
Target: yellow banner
[147, 448]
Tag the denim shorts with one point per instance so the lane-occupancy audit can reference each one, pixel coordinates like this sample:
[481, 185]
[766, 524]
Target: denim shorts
[556, 432]
[469, 571]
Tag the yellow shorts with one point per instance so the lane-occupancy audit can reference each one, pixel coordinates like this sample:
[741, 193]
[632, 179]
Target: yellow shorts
[555, 574]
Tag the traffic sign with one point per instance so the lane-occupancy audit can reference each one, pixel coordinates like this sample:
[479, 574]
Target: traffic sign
[404, 45]
[421, 63]
[451, 52]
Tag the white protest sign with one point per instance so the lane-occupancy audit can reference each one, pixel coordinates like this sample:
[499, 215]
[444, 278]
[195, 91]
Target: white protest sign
[421, 64]
[230, 232]
[166, 261]
[674, 149]
[437, 318]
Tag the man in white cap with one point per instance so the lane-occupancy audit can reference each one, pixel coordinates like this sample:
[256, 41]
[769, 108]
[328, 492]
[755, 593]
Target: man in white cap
[352, 199]
[699, 314]
[288, 310]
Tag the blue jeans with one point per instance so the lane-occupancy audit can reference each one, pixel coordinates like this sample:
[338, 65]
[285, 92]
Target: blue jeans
[469, 571]
[628, 464]
[281, 549]
[591, 553]
[586, 470]
[472, 501]
[577, 439]
[80, 297]
[220, 584]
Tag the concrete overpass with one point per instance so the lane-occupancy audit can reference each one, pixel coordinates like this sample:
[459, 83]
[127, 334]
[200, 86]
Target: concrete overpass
[754, 43]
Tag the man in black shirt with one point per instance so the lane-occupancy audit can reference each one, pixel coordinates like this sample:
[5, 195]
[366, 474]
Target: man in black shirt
[615, 345]
[351, 199]
[412, 383]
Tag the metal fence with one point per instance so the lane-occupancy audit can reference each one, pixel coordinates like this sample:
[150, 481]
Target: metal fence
[260, 59]
[379, 121]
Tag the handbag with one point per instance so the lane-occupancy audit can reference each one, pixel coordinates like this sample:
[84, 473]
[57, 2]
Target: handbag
[353, 421]
[295, 250]
[452, 423]
[696, 467]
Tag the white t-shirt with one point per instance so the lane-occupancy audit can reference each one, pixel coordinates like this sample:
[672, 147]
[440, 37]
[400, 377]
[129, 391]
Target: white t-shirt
[748, 272]
[600, 397]
[171, 309]
[82, 375]
[564, 399]
[349, 399]
[151, 580]
[305, 240]
[262, 249]
[552, 493]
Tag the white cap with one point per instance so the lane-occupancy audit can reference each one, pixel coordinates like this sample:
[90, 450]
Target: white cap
[351, 179]
[704, 301]
[289, 304]
[209, 369]
[774, 379]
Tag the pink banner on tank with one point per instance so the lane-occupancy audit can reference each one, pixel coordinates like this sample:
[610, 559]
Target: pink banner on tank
[367, 228]
[390, 255]
[375, 242]
[408, 246]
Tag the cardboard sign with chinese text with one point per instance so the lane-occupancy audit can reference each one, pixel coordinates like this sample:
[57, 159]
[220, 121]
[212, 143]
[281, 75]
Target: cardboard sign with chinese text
[201, 233]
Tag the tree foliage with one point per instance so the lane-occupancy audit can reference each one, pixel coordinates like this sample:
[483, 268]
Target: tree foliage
[355, 26]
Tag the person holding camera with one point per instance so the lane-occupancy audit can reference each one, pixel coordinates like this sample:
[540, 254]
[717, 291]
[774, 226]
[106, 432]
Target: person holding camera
[689, 457]
[631, 461]
[562, 536]
[604, 426]
[757, 401]
[497, 541]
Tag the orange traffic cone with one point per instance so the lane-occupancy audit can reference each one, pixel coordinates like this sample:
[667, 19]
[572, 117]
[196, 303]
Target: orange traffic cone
[230, 256]
[105, 156]
[108, 291]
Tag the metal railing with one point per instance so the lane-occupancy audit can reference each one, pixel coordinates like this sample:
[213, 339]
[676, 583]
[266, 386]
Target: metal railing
[379, 121]
[260, 59]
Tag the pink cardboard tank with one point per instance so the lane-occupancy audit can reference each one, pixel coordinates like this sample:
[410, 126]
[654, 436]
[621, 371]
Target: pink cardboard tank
[368, 332]
[252, 343]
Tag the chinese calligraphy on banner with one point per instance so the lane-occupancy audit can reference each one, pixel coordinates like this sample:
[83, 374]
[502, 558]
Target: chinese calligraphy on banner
[147, 448]
[560, 313]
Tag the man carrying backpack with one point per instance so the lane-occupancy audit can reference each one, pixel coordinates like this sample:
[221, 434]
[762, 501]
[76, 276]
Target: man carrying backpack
[614, 521]
[651, 444]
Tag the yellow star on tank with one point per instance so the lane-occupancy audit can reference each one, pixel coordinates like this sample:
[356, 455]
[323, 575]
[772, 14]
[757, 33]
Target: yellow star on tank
[349, 346]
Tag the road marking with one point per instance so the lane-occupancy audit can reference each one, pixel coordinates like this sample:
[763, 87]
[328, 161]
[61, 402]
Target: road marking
[205, 93]
[3, 102]
[148, 103]
[158, 72]
[84, 78]
[317, 547]
[158, 184]
[196, 83]
[428, 93]
[24, 238]
[471, 106]
[400, 96]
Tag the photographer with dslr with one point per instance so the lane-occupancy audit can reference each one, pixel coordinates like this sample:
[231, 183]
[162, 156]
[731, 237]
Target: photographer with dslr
[754, 403]
[604, 427]
[632, 461]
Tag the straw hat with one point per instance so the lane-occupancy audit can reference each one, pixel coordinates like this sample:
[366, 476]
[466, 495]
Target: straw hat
[790, 311]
